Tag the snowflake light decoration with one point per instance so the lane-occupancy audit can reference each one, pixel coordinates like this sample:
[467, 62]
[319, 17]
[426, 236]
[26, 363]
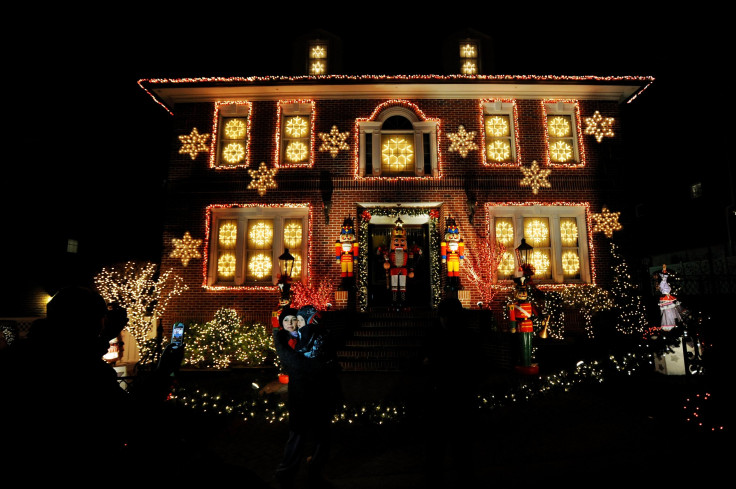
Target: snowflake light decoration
[535, 177]
[606, 222]
[296, 152]
[297, 126]
[226, 265]
[499, 151]
[235, 129]
[262, 179]
[186, 248]
[233, 153]
[462, 141]
[599, 126]
[260, 265]
[193, 143]
[334, 141]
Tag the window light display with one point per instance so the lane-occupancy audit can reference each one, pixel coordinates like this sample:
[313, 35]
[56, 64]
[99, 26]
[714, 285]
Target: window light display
[317, 58]
[422, 142]
[246, 230]
[231, 124]
[259, 265]
[468, 58]
[570, 263]
[569, 232]
[562, 244]
[226, 266]
[397, 153]
[564, 136]
[294, 133]
[293, 230]
[228, 233]
[259, 248]
[498, 138]
[260, 234]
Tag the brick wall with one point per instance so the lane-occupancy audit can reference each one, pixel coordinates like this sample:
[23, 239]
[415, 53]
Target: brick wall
[193, 186]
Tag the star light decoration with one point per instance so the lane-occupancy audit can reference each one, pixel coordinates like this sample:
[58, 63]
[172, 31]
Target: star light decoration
[194, 143]
[606, 222]
[186, 248]
[535, 177]
[462, 141]
[334, 141]
[262, 178]
[599, 126]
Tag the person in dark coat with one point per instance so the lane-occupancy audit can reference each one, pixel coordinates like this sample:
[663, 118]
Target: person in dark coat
[67, 414]
[312, 394]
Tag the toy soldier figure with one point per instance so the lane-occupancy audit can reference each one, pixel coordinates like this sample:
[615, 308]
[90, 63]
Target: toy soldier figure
[397, 262]
[453, 250]
[346, 250]
[521, 312]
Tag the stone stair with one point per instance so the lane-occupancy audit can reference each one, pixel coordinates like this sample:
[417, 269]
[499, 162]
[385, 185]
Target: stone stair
[384, 340]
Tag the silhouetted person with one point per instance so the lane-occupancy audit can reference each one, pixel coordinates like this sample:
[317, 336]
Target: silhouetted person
[312, 395]
[63, 399]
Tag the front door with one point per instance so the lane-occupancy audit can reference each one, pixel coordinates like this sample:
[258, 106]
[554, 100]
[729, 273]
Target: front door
[418, 288]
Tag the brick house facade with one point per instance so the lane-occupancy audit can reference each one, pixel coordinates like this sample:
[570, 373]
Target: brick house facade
[481, 188]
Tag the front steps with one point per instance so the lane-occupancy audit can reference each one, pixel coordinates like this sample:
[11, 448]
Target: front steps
[385, 340]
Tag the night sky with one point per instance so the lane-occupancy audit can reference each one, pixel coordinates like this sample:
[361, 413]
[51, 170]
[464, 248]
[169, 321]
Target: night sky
[89, 147]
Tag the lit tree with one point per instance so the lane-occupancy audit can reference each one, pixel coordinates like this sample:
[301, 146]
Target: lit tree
[141, 292]
[589, 300]
[631, 314]
[481, 265]
[318, 297]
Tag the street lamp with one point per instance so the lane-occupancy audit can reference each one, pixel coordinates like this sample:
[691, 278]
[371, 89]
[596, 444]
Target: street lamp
[286, 267]
[523, 257]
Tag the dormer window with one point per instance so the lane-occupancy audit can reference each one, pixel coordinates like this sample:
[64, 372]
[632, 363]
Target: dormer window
[317, 57]
[398, 144]
[469, 57]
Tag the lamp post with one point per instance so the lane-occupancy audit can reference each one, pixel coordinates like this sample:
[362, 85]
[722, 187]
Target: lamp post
[523, 257]
[286, 267]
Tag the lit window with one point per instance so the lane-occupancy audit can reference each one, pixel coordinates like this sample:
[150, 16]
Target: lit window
[499, 129]
[469, 57]
[246, 243]
[233, 120]
[317, 57]
[556, 233]
[72, 245]
[398, 144]
[296, 134]
[696, 190]
[563, 135]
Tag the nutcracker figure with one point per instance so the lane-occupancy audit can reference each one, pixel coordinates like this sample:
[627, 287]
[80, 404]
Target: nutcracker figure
[521, 313]
[398, 262]
[453, 250]
[346, 249]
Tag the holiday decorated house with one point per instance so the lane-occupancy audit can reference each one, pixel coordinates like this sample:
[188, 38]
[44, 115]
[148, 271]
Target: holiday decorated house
[265, 165]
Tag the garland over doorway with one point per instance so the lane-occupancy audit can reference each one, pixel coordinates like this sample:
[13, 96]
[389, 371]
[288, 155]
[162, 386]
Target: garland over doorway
[431, 212]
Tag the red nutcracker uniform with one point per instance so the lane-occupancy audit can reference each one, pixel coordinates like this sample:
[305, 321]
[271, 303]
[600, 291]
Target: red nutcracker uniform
[346, 248]
[521, 312]
[397, 261]
[452, 251]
